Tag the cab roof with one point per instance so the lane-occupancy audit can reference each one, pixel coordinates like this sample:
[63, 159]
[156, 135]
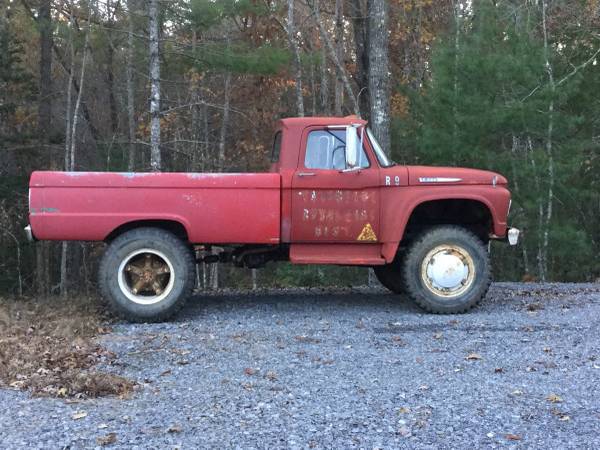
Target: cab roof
[303, 122]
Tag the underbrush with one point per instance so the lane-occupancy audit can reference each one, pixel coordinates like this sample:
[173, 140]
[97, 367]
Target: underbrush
[47, 347]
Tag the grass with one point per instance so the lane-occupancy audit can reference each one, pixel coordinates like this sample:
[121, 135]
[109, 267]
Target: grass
[48, 347]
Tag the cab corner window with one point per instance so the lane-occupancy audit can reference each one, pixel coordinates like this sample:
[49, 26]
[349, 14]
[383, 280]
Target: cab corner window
[276, 147]
[326, 149]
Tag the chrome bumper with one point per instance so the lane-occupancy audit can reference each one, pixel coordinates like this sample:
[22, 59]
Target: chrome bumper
[29, 233]
[513, 236]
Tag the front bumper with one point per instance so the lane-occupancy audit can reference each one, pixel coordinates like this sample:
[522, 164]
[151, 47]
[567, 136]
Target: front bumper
[512, 236]
[29, 233]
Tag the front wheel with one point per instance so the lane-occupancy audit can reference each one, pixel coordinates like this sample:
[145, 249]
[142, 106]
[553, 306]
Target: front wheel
[147, 274]
[447, 270]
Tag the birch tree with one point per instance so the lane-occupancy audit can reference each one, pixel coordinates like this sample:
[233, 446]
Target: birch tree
[130, 86]
[293, 42]
[154, 44]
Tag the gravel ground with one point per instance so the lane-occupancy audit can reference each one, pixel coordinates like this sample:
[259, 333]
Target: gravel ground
[342, 369]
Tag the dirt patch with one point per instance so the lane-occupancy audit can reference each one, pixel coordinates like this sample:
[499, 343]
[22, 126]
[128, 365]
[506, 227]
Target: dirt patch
[48, 348]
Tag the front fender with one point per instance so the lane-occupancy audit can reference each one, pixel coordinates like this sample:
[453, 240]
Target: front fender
[399, 203]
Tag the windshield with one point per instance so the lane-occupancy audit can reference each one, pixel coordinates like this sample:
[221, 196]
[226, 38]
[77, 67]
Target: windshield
[384, 161]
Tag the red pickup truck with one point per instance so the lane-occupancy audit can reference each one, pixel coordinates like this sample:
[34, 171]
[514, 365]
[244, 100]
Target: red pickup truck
[331, 197]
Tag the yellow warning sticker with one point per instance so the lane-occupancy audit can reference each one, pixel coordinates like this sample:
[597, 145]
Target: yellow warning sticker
[367, 234]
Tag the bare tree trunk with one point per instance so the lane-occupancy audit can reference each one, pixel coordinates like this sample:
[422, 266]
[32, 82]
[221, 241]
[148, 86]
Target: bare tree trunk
[70, 153]
[333, 54]
[517, 188]
[313, 88]
[110, 76]
[324, 83]
[44, 20]
[361, 43]
[456, 59]
[130, 88]
[64, 246]
[549, 150]
[225, 121]
[155, 156]
[292, 39]
[379, 86]
[339, 51]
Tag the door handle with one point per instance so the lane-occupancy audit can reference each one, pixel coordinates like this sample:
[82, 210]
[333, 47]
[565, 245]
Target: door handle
[306, 174]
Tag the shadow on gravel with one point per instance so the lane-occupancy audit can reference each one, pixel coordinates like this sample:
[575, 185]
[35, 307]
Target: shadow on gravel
[501, 296]
[294, 301]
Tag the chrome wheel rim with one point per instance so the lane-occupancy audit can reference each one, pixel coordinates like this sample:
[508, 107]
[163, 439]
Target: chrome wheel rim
[448, 271]
[146, 276]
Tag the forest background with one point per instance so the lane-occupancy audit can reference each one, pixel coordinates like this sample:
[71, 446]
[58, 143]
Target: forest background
[197, 85]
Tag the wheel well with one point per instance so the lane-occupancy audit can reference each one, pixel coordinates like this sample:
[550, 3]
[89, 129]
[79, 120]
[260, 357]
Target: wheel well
[168, 225]
[471, 214]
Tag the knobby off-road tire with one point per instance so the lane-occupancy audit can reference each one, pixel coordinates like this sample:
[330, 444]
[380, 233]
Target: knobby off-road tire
[147, 274]
[461, 277]
[390, 275]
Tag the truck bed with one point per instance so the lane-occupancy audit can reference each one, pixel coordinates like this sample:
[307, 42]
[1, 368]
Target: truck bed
[213, 208]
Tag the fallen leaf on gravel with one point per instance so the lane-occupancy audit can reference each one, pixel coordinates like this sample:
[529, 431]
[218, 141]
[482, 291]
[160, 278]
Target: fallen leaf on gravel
[104, 330]
[404, 431]
[175, 429]
[79, 415]
[473, 357]
[403, 410]
[553, 398]
[271, 376]
[249, 371]
[453, 322]
[110, 438]
[534, 307]
[513, 437]
[304, 338]
[166, 372]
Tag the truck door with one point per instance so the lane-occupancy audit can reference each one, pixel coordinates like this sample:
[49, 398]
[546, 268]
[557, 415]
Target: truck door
[330, 203]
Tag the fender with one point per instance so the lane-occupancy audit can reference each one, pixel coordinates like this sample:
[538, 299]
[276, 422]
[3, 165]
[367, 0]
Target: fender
[401, 202]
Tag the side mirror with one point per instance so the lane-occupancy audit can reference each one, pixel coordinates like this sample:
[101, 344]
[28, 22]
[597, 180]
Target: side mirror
[351, 153]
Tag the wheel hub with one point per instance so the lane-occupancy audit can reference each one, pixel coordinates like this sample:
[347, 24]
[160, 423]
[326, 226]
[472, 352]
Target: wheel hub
[146, 276]
[448, 270]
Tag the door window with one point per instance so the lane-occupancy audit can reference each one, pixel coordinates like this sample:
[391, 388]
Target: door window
[326, 149]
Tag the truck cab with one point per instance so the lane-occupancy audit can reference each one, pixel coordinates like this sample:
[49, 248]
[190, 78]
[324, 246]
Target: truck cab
[332, 196]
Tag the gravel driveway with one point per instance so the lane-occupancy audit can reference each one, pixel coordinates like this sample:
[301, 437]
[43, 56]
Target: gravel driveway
[342, 369]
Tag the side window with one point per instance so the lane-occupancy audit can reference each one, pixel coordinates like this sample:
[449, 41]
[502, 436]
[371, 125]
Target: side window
[276, 147]
[326, 149]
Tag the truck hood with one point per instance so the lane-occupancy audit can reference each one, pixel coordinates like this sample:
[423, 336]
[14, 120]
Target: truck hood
[427, 175]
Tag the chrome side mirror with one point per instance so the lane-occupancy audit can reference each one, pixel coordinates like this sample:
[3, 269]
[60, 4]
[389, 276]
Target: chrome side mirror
[351, 153]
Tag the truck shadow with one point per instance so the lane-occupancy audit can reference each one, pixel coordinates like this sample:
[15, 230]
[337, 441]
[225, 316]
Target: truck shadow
[298, 302]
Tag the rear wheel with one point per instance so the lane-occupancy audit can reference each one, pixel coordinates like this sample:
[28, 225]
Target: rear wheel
[147, 274]
[447, 270]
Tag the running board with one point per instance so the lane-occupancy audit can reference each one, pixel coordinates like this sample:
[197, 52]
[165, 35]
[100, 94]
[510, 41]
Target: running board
[340, 254]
